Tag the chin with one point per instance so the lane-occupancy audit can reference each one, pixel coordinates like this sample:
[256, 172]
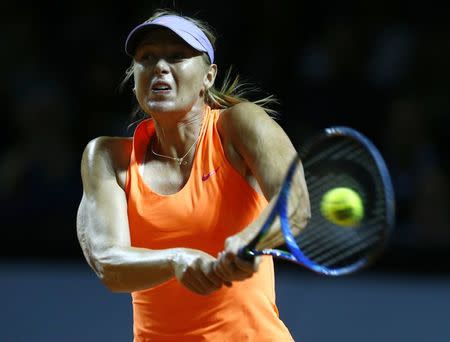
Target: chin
[161, 106]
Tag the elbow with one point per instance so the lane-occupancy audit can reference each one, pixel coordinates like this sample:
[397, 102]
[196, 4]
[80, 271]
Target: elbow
[109, 271]
[301, 217]
[113, 285]
[306, 214]
[110, 280]
[305, 211]
[305, 217]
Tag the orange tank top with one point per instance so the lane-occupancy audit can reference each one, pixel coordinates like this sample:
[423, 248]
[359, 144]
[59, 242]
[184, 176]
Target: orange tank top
[216, 202]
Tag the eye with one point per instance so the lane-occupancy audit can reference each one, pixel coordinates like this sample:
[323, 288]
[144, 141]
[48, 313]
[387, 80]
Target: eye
[176, 56]
[147, 57]
[144, 57]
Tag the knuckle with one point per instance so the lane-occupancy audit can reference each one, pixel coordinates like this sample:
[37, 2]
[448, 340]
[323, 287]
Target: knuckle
[229, 242]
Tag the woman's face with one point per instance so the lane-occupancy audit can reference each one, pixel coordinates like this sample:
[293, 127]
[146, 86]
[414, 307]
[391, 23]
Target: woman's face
[169, 75]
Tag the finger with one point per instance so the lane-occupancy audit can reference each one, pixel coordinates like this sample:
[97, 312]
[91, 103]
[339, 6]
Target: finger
[237, 264]
[222, 271]
[214, 279]
[190, 285]
[232, 245]
[201, 281]
[212, 286]
[248, 266]
[190, 277]
[211, 275]
[243, 269]
[198, 285]
[227, 270]
[210, 280]
[228, 283]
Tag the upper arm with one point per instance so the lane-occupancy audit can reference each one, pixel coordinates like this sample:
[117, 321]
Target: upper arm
[261, 142]
[102, 220]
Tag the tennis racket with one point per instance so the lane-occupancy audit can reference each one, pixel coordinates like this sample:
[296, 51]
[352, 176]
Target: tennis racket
[336, 157]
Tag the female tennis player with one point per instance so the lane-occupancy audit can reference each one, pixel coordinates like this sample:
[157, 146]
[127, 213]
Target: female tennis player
[164, 213]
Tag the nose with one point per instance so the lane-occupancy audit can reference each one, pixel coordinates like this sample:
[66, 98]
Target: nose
[161, 67]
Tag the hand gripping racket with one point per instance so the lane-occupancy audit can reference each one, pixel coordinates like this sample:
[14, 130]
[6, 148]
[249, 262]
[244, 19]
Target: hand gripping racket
[337, 157]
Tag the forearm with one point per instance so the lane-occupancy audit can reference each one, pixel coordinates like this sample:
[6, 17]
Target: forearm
[298, 211]
[102, 223]
[128, 269]
[104, 239]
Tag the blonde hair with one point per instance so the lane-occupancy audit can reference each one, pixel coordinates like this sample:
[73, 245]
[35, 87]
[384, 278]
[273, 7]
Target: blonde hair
[232, 90]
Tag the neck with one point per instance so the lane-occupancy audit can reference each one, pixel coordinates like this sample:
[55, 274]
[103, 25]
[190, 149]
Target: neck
[175, 137]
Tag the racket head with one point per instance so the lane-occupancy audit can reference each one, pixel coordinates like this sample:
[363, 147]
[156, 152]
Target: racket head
[337, 157]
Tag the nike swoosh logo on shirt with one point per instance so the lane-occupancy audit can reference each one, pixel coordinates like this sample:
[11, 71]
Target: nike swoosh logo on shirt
[205, 177]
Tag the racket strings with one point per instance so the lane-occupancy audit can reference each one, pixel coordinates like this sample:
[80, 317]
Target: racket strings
[324, 242]
[351, 250]
[335, 151]
[337, 247]
[323, 233]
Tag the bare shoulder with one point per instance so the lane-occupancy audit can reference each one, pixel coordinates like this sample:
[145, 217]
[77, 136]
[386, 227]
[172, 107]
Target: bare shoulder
[258, 143]
[250, 121]
[243, 115]
[106, 157]
[246, 107]
[117, 150]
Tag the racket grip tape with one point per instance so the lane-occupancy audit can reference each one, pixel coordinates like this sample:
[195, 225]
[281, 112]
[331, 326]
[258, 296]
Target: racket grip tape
[246, 254]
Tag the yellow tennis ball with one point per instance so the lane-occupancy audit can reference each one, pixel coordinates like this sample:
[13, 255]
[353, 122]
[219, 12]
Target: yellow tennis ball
[343, 207]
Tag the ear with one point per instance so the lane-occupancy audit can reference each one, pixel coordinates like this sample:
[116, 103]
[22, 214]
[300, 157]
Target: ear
[210, 76]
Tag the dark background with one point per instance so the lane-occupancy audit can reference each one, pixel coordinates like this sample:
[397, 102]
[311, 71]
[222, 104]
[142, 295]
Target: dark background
[380, 67]
[376, 67]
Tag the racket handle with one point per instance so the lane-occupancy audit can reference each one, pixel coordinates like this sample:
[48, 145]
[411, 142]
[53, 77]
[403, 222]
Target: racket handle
[246, 254]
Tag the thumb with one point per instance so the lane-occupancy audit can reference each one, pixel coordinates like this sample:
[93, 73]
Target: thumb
[228, 243]
[233, 244]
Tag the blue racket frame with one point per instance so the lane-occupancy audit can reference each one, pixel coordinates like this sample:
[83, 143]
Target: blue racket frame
[280, 209]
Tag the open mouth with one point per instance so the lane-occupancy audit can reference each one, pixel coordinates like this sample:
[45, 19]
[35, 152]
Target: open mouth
[161, 87]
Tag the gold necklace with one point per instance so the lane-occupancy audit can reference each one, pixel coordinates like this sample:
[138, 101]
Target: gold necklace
[178, 160]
